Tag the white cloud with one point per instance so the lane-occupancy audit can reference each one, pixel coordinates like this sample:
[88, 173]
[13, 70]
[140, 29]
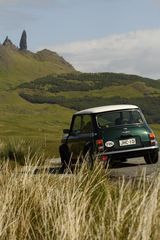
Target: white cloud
[134, 52]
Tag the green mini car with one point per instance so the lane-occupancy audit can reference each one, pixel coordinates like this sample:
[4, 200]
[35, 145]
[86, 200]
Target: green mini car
[108, 133]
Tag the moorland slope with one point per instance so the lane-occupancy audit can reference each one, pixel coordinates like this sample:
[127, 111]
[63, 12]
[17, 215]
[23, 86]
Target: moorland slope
[84, 90]
[40, 91]
[18, 66]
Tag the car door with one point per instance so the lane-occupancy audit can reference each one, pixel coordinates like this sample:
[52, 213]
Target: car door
[81, 133]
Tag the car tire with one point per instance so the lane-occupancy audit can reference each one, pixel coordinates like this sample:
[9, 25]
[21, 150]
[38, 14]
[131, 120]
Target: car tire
[90, 162]
[123, 160]
[89, 156]
[65, 156]
[151, 158]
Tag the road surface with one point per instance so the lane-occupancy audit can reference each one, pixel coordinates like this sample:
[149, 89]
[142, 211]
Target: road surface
[133, 168]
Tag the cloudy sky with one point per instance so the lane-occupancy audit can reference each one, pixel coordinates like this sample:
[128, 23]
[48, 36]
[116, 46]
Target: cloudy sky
[93, 35]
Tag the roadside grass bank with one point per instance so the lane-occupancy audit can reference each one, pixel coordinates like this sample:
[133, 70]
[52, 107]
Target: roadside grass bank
[19, 152]
[39, 124]
[86, 205]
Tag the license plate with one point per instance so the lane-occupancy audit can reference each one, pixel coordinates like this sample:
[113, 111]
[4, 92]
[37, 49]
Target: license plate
[127, 142]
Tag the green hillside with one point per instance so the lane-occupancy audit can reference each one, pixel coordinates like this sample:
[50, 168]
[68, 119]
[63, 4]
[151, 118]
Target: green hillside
[40, 91]
[38, 111]
[18, 66]
[21, 120]
[34, 124]
[84, 90]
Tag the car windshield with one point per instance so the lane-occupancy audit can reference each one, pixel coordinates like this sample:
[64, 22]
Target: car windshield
[118, 118]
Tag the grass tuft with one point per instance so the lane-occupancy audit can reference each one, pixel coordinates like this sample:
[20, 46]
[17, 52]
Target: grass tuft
[21, 152]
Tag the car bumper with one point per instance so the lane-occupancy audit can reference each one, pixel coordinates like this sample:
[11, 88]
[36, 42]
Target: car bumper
[130, 153]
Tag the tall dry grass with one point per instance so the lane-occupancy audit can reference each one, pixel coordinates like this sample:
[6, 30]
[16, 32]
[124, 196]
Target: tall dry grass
[22, 152]
[86, 205]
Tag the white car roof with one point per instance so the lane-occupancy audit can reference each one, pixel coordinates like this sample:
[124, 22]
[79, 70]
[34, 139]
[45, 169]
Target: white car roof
[106, 109]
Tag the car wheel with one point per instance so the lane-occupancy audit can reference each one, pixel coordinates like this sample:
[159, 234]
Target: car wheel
[90, 161]
[65, 157]
[89, 156]
[123, 159]
[151, 158]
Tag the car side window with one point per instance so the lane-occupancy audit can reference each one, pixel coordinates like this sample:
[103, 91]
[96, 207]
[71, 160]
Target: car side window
[82, 124]
[76, 124]
[87, 126]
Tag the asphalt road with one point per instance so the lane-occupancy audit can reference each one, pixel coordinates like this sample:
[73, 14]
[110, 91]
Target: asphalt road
[133, 168]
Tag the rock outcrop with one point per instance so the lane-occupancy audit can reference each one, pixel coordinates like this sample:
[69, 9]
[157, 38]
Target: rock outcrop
[8, 42]
[23, 41]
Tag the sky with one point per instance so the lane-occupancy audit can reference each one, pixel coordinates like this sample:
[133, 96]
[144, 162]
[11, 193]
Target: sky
[93, 35]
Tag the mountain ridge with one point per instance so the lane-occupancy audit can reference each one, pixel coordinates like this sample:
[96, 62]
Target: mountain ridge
[18, 66]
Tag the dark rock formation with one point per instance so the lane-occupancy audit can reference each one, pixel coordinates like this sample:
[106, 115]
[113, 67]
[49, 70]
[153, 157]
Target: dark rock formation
[8, 42]
[23, 41]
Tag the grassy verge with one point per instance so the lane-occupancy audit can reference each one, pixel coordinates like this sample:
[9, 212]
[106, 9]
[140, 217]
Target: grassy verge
[39, 124]
[82, 206]
[20, 152]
